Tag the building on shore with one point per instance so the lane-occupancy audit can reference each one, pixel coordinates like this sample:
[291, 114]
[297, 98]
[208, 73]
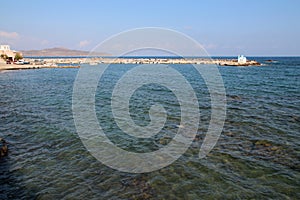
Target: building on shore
[242, 59]
[5, 50]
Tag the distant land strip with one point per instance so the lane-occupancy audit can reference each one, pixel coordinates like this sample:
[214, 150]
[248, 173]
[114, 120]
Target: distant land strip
[60, 51]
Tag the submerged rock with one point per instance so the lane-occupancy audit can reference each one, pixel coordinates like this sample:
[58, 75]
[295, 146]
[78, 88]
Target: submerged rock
[230, 134]
[263, 143]
[270, 61]
[234, 97]
[274, 148]
[3, 148]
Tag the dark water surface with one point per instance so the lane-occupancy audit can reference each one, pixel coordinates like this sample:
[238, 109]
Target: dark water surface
[257, 155]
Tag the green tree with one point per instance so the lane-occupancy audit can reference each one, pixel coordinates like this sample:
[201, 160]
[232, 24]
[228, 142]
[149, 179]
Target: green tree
[18, 56]
[4, 56]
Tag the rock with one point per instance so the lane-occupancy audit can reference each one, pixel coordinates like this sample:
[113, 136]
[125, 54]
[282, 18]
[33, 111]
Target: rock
[296, 118]
[274, 148]
[271, 61]
[234, 97]
[263, 143]
[230, 134]
[164, 140]
[3, 148]
[267, 144]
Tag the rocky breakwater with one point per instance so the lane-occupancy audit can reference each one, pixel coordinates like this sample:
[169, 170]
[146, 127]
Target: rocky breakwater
[77, 62]
[236, 63]
[111, 60]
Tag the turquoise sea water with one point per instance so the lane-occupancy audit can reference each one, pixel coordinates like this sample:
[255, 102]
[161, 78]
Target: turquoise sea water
[256, 157]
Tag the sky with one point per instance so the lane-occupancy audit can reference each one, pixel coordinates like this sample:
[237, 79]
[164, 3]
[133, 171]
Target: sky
[223, 27]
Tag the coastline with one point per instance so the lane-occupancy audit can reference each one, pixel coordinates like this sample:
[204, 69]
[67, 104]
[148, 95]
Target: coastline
[4, 67]
[77, 61]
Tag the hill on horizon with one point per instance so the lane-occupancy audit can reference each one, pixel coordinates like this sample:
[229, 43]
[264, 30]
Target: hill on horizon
[60, 51]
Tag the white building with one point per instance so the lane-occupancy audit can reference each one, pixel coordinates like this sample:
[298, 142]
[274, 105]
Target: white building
[242, 59]
[5, 49]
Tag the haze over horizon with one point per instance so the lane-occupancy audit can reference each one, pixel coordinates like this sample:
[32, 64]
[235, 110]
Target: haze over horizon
[255, 28]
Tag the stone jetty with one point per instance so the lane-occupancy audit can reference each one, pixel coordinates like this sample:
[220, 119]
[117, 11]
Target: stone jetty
[76, 62]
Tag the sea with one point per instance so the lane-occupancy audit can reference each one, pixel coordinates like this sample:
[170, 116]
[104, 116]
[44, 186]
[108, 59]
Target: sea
[257, 155]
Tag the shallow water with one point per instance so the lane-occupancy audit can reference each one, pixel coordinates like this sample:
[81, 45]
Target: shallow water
[257, 155]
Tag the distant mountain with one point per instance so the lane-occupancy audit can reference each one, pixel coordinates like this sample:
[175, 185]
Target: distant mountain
[59, 51]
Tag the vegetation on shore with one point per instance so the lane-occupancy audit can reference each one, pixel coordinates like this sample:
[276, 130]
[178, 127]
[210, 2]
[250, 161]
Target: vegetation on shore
[4, 57]
[18, 56]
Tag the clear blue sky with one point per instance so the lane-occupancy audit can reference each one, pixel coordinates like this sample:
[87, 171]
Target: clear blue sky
[224, 27]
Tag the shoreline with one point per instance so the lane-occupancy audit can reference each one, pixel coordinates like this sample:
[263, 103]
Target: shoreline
[4, 67]
[76, 62]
